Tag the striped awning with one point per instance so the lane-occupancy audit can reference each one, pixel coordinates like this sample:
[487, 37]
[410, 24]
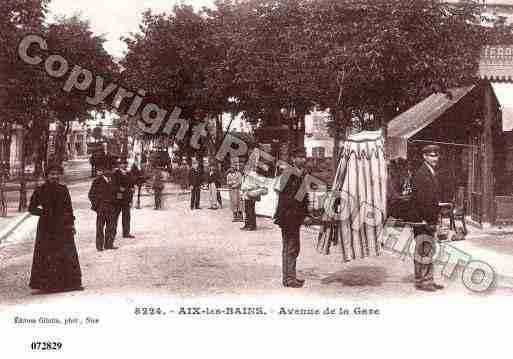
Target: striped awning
[412, 121]
[425, 112]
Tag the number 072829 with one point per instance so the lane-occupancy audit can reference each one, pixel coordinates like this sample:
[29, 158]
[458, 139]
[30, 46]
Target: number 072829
[46, 345]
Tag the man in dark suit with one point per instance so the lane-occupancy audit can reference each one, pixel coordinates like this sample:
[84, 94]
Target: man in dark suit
[426, 197]
[123, 190]
[195, 181]
[101, 196]
[291, 213]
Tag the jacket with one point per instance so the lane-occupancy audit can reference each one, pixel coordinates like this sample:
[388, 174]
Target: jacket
[291, 212]
[123, 184]
[101, 195]
[426, 195]
[195, 177]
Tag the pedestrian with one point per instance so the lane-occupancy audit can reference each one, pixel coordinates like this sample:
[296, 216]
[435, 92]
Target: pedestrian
[234, 181]
[213, 184]
[138, 176]
[195, 181]
[55, 265]
[251, 193]
[183, 173]
[218, 195]
[93, 166]
[426, 196]
[291, 213]
[101, 196]
[158, 187]
[123, 189]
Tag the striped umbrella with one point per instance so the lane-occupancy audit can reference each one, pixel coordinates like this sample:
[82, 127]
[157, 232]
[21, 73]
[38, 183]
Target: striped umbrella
[355, 210]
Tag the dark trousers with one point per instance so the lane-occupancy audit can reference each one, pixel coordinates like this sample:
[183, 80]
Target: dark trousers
[195, 196]
[219, 199]
[105, 229]
[249, 210]
[158, 198]
[125, 218]
[290, 252]
[424, 252]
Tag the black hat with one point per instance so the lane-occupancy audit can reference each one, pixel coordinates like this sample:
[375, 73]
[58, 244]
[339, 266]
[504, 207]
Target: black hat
[54, 167]
[298, 151]
[431, 149]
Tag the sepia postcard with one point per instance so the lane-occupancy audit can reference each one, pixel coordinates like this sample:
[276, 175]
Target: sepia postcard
[240, 178]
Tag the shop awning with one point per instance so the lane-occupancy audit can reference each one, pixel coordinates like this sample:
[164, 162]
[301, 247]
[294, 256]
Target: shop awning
[425, 112]
[410, 122]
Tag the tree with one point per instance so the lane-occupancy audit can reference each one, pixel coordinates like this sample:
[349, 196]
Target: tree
[169, 60]
[266, 58]
[23, 102]
[72, 38]
[379, 58]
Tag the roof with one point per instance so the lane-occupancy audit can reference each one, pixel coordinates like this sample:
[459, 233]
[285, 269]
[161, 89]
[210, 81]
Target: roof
[425, 112]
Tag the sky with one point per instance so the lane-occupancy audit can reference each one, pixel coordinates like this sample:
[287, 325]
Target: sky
[116, 18]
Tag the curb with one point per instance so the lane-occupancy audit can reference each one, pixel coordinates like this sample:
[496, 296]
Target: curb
[11, 227]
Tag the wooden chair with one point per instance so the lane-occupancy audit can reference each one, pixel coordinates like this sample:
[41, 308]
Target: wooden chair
[455, 210]
[460, 208]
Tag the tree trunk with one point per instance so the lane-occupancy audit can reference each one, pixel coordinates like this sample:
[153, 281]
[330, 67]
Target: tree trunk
[219, 140]
[46, 137]
[22, 207]
[60, 143]
[7, 148]
[336, 140]
[301, 129]
[3, 200]
[39, 150]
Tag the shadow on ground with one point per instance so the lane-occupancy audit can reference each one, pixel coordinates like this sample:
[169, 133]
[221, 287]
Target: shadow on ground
[358, 276]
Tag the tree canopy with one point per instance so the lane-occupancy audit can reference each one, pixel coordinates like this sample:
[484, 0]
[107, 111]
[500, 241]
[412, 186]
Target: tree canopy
[373, 57]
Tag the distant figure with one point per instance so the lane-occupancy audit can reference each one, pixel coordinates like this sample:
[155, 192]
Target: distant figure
[101, 196]
[158, 187]
[183, 173]
[195, 181]
[123, 190]
[55, 266]
[95, 160]
[234, 181]
[138, 176]
[247, 188]
[213, 184]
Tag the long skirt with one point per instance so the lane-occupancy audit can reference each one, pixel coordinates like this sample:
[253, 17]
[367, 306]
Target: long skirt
[212, 194]
[55, 264]
[235, 202]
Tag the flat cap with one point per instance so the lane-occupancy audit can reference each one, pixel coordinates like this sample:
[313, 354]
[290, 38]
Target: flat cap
[431, 149]
[54, 167]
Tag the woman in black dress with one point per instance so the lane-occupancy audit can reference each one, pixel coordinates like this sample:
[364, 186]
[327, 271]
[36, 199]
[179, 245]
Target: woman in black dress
[55, 267]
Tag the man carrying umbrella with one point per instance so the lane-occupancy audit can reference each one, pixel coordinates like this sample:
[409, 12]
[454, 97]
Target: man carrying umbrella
[291, 213]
